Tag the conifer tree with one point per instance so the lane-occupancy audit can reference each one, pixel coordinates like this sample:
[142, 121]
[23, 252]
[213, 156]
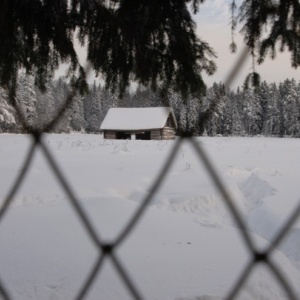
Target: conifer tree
[93, 109]
[263, 96]
[269, 26]
[26, 99]
[216, 94]
[251, 112]
[77, 122]
[8, 120]
[175, 101]
[272, 114]
[291, 109]
[147, 41]
[46, 105]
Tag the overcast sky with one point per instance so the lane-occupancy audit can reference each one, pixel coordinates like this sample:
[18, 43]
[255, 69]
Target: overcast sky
[213, 26]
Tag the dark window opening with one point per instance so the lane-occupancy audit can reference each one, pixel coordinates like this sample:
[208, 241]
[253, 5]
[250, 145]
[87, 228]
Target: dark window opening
[123, 135]
[144, 136]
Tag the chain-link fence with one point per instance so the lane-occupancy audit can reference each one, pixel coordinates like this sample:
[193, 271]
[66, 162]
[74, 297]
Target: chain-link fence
[108, 251]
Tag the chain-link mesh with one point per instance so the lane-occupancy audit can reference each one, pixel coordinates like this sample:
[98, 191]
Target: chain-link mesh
[108, 251]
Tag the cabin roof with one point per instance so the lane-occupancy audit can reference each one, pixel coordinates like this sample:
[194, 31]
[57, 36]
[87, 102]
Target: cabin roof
[137, 118]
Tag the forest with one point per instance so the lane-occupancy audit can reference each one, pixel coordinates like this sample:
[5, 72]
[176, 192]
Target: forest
[269, 110]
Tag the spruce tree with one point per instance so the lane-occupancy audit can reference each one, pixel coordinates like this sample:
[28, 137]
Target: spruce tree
[8, 119]
[269, 27]
[46, 105]
[147, 41]
[77, 122]
[291, 110]
[26, 99]
[93, 109]
[272, 115]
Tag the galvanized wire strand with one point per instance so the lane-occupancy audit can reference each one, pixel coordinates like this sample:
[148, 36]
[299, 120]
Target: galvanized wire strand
[108, 252]
[283, 232]
[73, 199]
[238, 285]
[3, 293]
[275, 271]
[225, 195]
[158, 181]
[282, 280]
[12, 192]
[94, 272]
[68, 102]
[206, 115]
[60, 113]
[237, 67]
[19, 179]
[86, 222]
[249, 243]
[126, 278]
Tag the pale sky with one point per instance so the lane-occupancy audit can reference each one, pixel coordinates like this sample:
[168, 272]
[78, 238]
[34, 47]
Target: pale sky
[213, 26]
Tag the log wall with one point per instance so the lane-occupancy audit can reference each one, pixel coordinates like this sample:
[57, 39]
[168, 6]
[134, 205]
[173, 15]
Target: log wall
[168, 133]
[156, 134]
[110, 135]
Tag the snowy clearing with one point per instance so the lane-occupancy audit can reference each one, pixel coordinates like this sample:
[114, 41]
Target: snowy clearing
[186, 247]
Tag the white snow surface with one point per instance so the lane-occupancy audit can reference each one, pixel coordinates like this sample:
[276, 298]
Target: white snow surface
[138, 118]
[185, 247]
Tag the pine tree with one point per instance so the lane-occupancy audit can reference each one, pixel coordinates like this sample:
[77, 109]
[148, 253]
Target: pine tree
[77, 122]
[266, 22]
[272, 116]
[251, 112]
[237, 124]
[232, 124]
[291, 109]
[46, 105]
[209, 97]
[8, 118]
[149, 41]
[175, 101]
[189, 115]
[93, 109]
[263, 96]
[26, 99]
[216, 93]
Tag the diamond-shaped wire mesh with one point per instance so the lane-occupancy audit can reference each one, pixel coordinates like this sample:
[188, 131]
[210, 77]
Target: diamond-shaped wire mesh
[108, 251]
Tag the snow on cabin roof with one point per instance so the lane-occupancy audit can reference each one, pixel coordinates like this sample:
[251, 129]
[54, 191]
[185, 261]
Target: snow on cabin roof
[137, 118]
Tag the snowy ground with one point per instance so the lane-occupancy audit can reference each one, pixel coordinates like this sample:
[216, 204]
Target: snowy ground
[185, 247]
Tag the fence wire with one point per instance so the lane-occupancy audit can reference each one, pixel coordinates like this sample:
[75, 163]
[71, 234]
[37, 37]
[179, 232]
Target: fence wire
[108, 251]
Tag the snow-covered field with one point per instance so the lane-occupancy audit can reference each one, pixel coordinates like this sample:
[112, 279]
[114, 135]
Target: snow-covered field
[186, 246]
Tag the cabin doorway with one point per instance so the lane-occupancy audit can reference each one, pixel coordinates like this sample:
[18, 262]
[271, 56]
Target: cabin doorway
[123, 135]
[144, 135]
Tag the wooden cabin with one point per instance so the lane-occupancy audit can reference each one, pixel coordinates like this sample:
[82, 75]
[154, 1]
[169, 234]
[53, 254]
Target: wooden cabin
[146, 123]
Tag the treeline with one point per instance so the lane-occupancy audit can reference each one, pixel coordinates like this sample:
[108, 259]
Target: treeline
[270, 110]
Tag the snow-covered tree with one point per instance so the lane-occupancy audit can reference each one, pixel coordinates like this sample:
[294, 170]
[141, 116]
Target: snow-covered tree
[272, 114]
[269, 110]
[291, 109]
[251, 112]
[26, 99]
[93, 109]
[216, 94]
[77, 121]
[232, 124]
[175, 101]
[46, 105]
[262, 102]
[8, 119]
